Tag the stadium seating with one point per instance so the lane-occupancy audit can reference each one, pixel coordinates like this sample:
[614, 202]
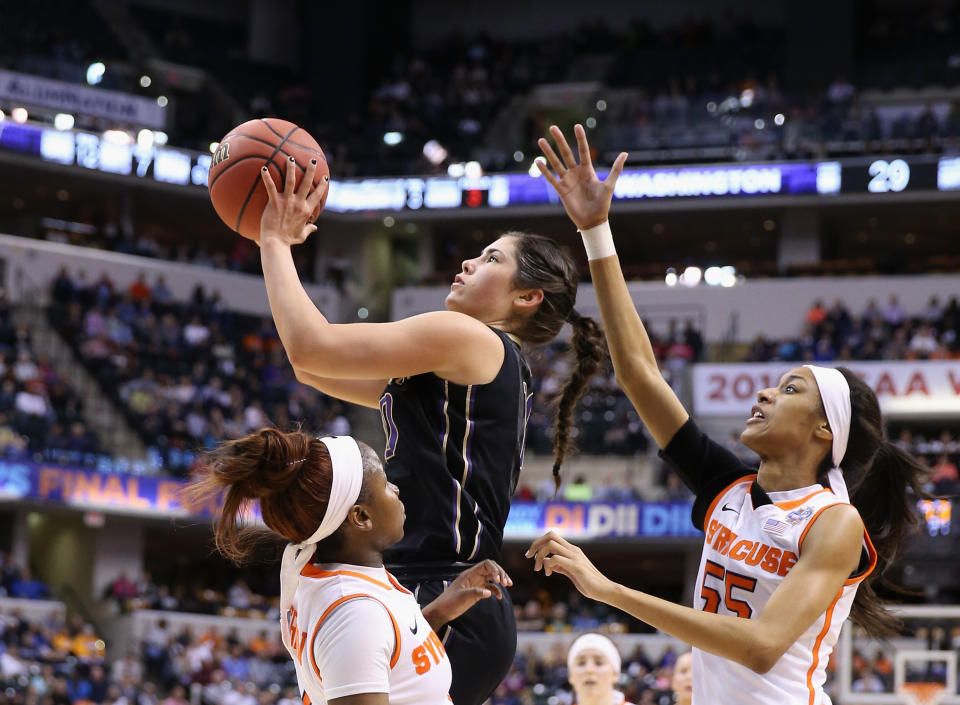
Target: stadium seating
[187, 376]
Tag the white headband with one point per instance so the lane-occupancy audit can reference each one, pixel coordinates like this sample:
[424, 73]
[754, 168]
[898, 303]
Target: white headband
[598, 642]
[347, 471]
[835, 393]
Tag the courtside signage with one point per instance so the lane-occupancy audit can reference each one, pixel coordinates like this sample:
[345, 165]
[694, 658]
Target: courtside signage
[88, 490]
[904, 388]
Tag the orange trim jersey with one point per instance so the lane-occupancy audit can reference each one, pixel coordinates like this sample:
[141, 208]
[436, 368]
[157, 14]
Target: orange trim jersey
[354, 629]
[747, 552]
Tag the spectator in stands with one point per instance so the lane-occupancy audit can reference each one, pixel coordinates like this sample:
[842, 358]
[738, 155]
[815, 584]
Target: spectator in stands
[944, 475]
[139, 290]
[27, 587]
[817, 313]
[894, 314]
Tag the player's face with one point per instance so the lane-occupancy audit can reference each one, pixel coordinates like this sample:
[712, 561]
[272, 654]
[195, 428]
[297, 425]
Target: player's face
[592, 674]
[682, 683]
[484, 288]
[385, 508]
[785, 417]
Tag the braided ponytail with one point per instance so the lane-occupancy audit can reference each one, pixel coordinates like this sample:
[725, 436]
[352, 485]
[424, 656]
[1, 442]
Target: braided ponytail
[589, 348]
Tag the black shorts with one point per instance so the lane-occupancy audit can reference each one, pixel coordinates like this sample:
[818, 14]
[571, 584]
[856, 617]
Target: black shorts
[481, 642]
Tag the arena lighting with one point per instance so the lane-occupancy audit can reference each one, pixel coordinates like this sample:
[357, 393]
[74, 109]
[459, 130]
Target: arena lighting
[591, 122]
[456, 170]
[145, 81]
[472, 170]
[712, 276]
[534, 169]
[746, 97]
[711, 107]
[759, 123]
[363, 313]
[392, 139]
[19, 115]
[728, 276]
[145, 138]
[160, 137]
[435, 152]
[518, 156]
[691, 276]
[95, 72]
[779, 119]
[671, 278]
[162, 101]
[118, 137]
[601, 105]
[63, 121]
[213, 147]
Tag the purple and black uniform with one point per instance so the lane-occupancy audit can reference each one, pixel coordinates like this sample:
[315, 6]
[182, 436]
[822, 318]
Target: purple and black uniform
[455, 452]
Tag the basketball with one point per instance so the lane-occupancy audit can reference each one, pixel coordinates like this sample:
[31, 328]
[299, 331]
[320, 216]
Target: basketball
[236, 189]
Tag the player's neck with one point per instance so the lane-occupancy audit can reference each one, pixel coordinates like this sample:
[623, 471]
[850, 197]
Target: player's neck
[352, 555]
[594, 700]
[788, 472]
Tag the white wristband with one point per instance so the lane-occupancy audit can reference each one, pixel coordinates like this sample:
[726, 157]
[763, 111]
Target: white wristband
[598, 241]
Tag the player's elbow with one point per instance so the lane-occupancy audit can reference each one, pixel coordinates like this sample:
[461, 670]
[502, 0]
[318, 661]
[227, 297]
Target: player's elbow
[762, 655]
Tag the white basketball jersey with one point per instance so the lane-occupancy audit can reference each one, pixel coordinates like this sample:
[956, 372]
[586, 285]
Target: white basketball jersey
[372, 616]
[747, 552]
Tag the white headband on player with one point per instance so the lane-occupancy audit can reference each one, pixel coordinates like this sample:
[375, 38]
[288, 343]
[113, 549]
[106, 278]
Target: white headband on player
[347, 471]
[835, 393]
[598, 642]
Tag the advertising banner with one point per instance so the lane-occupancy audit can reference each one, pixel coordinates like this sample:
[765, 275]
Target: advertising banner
[81, 100]
[88, 490]
[905, 389]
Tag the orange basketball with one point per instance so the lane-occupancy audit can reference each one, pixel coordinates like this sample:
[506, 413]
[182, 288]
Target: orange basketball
[236, 189]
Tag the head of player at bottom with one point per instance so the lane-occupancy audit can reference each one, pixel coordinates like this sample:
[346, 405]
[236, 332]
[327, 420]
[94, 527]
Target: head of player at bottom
[593, 669]
[291, 475]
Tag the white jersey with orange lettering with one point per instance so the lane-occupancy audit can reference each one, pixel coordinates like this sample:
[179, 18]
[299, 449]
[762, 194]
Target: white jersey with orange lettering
[752, 540]
[354, 629]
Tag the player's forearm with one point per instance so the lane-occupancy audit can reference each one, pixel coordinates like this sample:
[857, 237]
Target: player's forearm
[434, 614]
[734, 638]
[629, 344]
[299, 322]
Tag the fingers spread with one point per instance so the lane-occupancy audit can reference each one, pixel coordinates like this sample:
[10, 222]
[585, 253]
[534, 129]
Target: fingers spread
[565, 150]
[289, 188]
[548, 174]
[615, 170]
[307, 183]
[551, 156]
[316, 198]
[268, 183]
[582, 147]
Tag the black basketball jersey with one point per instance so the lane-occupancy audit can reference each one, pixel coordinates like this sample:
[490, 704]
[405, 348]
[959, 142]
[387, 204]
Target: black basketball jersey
[455, 452]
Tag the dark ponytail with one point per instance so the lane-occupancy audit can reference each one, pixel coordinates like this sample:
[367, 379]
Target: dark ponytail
[884, 483]
[545, 265]
[288, 473]
[589, 348]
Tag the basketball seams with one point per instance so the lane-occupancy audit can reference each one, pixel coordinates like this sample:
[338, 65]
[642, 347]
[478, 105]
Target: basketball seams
[295, 144]
[237, 161]
[256, 181]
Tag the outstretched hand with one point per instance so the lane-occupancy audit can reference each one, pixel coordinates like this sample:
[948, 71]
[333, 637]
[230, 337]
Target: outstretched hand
[289, 215]
[585, 198]
[483, 580]
[554, 554]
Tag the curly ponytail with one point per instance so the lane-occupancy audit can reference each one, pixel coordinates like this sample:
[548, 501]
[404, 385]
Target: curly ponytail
[545, 265]
[589, 348]
[288, 473]
[884, 482]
